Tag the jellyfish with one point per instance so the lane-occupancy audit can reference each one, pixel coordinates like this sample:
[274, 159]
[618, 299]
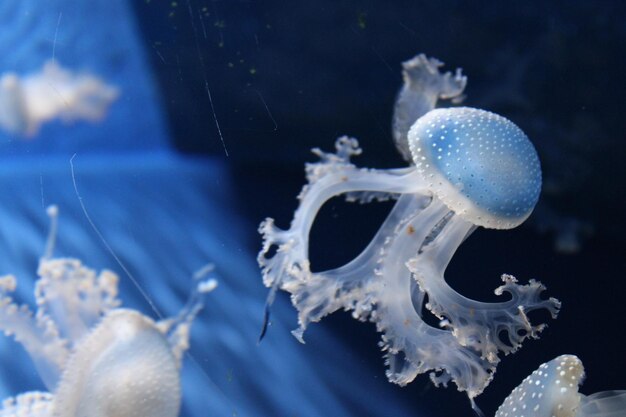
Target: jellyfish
[552, 391]
[470, 168]
[55, 92]
[95, 357]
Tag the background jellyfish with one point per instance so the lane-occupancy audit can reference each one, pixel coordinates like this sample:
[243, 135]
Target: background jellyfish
[28, 101]
[470, 168]
[67, 50]
[95, 357]
[552, 390]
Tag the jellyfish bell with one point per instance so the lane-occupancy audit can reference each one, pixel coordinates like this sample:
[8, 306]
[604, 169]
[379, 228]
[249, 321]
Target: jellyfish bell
[481, 165]
[552, 391]
[123, 367]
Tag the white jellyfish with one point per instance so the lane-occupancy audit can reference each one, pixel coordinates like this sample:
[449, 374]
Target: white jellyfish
[470, 168]
[26, 102]
[96, 359]
[552, 391]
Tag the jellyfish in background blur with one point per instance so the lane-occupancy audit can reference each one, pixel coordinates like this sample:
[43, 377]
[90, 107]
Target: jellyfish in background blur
[552, 391]
[29, 101]
[470, 168]
[96, 358]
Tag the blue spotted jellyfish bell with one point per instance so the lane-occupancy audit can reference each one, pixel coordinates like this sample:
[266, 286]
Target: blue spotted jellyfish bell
[479, 164]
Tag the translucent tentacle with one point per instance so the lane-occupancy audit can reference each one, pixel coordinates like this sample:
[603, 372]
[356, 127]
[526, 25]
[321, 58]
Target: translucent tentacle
[481, 326]
[178, 328]
[38, 334]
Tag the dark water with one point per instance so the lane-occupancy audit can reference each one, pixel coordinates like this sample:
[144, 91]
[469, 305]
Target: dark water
[220, 103]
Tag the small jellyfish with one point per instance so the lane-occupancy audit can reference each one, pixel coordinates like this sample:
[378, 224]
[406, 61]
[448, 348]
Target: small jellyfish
[96, 358]
[27, 102]
[552, 391]
[470, 168]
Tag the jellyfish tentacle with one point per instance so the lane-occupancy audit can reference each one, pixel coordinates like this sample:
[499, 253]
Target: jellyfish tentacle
[73, 296]
[28, 404]
[356, 285]
[397, 221]
[413, 347]
[332, 176]
[38, 334]
[477, 324]
[424, 85]
[603, 404]
[177, 329]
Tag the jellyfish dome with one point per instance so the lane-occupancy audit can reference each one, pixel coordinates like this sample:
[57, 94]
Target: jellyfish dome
[480, 164]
